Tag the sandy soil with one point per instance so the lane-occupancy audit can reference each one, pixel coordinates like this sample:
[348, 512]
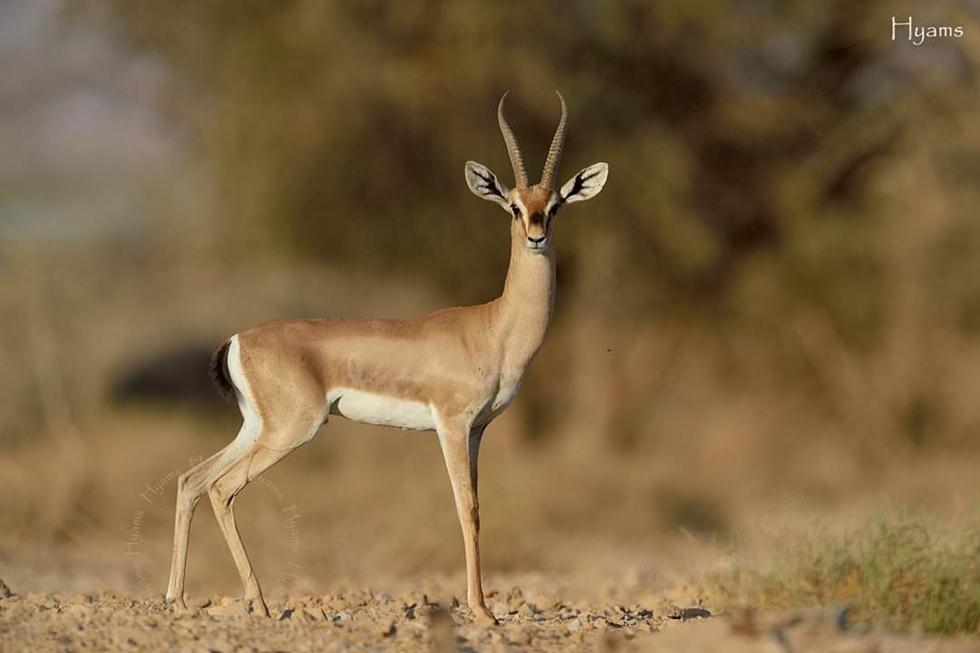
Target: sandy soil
[354, 620]
[367, 620]
[357, 547]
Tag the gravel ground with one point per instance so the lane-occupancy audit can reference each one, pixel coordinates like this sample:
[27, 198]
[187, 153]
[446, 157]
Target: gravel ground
[359, 620]
[365, 620]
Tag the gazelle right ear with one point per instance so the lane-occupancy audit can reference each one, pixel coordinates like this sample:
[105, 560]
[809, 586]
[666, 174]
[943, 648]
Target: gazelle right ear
[586, 183]
[485, 184]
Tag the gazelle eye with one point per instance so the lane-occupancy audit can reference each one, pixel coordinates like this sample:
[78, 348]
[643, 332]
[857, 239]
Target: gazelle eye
[516, 210]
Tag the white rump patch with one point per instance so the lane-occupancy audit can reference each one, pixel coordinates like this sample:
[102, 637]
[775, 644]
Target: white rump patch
[252, 426]
[370, 408]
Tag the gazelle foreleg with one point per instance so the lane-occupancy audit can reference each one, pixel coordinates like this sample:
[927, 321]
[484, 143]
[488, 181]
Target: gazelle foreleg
[460, 446]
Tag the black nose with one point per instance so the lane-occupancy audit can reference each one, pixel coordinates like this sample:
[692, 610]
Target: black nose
[537, 240]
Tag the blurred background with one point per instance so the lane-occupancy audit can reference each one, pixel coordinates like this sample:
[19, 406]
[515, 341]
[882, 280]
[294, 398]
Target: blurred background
[771, 313]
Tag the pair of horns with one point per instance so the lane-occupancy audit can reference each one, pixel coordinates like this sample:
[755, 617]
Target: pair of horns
[514, 152]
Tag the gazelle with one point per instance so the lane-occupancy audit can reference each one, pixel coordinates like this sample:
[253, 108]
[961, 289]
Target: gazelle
[452, 371]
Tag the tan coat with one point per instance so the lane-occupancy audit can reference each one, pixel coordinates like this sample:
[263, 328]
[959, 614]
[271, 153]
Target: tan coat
[452, 371]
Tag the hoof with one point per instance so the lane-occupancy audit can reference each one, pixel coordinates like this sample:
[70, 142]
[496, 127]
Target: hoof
[483, 617]
[259, 607]
[177, 603]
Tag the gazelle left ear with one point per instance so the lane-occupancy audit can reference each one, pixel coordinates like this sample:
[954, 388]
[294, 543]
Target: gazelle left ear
[586, 184]
[485, 184]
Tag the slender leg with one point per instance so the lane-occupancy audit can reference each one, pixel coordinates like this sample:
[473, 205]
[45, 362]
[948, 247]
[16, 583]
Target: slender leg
[476, 437]
[190, 486]
[222, 493]
[458, 447]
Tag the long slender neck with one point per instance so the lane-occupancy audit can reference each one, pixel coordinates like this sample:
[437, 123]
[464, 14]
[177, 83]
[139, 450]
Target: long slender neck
[524, 308]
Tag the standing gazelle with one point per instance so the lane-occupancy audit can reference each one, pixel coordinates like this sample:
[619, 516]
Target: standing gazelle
[452, 371]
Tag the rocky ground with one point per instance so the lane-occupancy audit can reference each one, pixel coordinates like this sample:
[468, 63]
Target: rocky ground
[359, 620]
[357, 546]
[365, 620]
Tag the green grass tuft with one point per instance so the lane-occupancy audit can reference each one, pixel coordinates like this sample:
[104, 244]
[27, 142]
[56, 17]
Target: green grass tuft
[903, 572]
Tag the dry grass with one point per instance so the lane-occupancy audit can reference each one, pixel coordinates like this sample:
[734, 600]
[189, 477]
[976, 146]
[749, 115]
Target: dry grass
[904, 571]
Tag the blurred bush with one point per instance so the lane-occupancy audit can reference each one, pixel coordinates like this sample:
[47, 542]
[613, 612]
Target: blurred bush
[338, 130]
[786, 253]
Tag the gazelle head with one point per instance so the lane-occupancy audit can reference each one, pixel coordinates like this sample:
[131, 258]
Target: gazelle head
[534, 207]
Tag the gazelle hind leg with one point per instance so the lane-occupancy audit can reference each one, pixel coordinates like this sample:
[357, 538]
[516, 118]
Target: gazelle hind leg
[260, 457]
[193, 483]
[190, 486]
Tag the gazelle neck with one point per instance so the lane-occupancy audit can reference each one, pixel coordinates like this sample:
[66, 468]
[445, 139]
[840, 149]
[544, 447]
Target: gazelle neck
[524, 308]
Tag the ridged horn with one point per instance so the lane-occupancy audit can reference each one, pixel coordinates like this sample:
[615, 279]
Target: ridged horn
[554, 152]
[513, 151]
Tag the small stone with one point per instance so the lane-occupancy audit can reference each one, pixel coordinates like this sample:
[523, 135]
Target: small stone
[361, 598]
[332, 601]
[515, 598]
[312, 614]
[234, 608]
[5, 592]
[527, 610]
[200, 602]
[574, 625]
[499, 610]
[426, 609]
[686, 614]
[390, 630]
[383, 597]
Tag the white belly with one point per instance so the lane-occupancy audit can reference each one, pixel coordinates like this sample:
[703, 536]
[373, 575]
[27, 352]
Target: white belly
[371, 408]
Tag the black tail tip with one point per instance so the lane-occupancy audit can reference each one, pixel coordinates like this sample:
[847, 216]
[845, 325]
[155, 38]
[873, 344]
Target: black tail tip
[218, 371]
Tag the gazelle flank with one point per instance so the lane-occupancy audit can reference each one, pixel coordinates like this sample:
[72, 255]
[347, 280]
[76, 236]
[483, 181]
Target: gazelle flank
[452, 371]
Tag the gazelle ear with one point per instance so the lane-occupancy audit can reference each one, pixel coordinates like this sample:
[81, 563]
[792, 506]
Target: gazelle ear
[586, 184]
[485, 184]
